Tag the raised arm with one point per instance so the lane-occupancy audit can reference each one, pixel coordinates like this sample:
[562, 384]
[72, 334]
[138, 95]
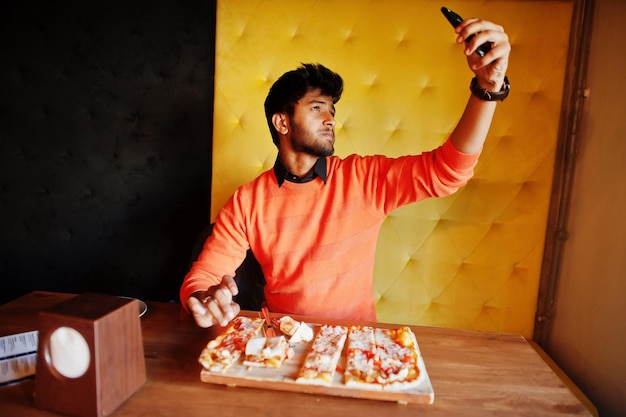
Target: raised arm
[490, 70]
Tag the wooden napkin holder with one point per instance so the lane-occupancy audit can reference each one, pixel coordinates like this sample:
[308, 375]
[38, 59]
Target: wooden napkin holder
[91, 377]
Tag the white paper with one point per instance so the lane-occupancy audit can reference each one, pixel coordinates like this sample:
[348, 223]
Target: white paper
[18, 356]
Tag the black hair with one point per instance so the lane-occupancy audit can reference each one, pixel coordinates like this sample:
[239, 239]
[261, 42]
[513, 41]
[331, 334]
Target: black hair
[293, 85]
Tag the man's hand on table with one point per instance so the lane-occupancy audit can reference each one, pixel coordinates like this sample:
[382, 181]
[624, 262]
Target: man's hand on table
[215, 305]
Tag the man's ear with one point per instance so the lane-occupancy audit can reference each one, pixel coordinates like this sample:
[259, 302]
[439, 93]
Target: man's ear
[281, 123]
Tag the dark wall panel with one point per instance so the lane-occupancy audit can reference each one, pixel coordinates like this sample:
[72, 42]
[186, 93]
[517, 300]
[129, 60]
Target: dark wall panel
[105, 144]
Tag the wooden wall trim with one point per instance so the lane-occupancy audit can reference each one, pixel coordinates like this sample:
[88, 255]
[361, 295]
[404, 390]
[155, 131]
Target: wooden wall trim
[574, 94]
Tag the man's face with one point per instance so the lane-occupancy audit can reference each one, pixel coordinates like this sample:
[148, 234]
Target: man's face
[313, 124]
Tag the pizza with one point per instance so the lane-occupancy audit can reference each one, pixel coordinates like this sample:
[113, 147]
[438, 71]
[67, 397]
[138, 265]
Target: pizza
[288, 325]
[361, 362]
[375, 358]
[267, 352]
[226, 349]
[321, 360]
[298, 331]
[382, 359]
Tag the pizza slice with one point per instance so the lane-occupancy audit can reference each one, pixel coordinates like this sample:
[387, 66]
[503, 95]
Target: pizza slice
[398, 354]
[321, 361]
[223, 351]
[298, 331]
[268, 352]
[382, 359]
[362, 363]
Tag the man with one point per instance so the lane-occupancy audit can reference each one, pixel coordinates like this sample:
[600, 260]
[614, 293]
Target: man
[313, 220]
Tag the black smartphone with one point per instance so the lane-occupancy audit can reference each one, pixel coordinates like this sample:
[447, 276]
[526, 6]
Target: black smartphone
[455, 20]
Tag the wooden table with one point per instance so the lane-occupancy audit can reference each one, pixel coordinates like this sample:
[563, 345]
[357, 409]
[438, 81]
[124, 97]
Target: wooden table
[472, 373]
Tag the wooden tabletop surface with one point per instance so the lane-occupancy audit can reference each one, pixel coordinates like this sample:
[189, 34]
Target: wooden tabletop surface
[472, 373]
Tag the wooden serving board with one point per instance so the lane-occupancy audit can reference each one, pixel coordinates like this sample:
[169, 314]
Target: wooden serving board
[283, 379]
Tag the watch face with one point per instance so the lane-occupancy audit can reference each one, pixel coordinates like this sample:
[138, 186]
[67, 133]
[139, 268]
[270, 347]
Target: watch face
[68, 352]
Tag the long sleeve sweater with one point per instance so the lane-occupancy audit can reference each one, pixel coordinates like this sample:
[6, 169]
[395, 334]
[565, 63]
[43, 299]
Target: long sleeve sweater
[316, 241]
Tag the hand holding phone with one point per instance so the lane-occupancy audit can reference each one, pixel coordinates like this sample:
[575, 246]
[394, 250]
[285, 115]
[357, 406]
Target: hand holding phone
[456, 20]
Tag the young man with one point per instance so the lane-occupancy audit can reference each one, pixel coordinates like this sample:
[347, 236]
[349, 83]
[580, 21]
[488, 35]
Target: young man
[313, 220]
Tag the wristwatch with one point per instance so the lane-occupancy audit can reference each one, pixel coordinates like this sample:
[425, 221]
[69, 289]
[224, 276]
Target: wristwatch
[486, 95]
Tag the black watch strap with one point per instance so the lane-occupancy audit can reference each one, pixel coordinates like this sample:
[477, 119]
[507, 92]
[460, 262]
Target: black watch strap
[486, 95]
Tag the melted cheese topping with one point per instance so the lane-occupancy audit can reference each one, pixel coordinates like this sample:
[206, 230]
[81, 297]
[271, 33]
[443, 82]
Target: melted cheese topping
[221, 352]
[321, 361]
[381, 357]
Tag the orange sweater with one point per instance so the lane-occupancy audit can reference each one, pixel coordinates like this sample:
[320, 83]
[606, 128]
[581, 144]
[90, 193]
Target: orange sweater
[316, 242]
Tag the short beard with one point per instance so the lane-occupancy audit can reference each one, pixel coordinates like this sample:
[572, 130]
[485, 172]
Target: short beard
[314, 149]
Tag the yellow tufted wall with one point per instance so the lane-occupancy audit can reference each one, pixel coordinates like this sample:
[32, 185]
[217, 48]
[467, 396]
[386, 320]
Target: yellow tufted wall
[471, 260]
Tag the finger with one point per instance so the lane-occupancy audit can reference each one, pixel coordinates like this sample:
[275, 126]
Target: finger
[199, 312]
[223, 296]
[235, 309]
[220, 307]
[474, 26]
[480, 40]
[476, 32]
[231, 284]
[463, 30]
[494, 63]
[213, 308]
[499, 63]
[195, 306]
